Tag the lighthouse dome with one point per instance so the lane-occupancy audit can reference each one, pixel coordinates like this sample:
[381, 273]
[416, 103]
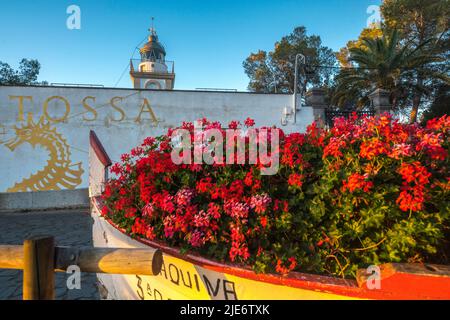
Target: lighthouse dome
[153, 50]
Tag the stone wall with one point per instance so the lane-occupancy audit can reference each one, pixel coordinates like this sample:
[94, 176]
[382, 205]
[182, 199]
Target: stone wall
[44, 131]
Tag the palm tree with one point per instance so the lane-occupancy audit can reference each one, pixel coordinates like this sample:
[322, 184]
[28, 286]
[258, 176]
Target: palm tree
[383, 63]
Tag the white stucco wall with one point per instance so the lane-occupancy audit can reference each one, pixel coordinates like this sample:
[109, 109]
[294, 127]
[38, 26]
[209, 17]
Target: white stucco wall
[119, 128]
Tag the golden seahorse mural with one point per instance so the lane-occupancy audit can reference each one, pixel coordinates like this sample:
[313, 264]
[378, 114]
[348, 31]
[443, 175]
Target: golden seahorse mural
[60, 172]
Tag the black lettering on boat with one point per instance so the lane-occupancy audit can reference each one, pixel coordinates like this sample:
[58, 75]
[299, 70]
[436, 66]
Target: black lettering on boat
[172, 266]
[211, 291]
[140, 291]
[188, 276]
[229, 289]
[157, 293]
[196, 282]
[163, 269]
[149, 289]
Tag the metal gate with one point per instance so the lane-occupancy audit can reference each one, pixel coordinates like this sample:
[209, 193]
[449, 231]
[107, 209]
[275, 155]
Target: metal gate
[330, 115]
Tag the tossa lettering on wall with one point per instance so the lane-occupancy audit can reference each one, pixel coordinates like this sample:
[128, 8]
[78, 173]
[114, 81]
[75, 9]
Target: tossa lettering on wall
[58, 109]
[44, 130]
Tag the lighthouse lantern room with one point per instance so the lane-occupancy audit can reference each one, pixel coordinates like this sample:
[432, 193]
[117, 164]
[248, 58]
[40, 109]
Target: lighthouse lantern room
[152, 71]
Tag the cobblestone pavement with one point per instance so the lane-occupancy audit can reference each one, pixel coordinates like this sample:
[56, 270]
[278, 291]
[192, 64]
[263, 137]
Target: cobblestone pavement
[70, 228]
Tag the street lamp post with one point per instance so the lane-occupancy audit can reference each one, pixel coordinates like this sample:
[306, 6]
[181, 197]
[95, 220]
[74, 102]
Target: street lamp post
[299, 55]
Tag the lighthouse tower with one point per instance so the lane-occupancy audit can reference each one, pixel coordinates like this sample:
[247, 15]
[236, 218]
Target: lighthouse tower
[152, 71]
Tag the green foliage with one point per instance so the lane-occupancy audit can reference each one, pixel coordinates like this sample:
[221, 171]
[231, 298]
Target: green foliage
[274, 71]
[422, 28]
[440, 105]
[417, 20]
[387, 64]
[27, 73]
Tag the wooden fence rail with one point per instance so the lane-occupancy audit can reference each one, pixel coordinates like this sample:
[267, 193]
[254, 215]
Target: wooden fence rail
[39, 258]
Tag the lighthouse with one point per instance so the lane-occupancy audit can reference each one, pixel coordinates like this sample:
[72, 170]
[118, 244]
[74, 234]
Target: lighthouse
[152, 71]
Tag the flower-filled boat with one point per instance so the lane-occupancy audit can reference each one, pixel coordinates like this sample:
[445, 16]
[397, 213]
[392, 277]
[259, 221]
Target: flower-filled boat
[359, 211]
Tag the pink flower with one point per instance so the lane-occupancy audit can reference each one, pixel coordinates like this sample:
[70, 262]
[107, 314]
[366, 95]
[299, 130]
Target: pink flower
[236, 209]
[400, 150]
[184, 196]
[201, 219]
[260, 202]
[196, 239]
[148, 210]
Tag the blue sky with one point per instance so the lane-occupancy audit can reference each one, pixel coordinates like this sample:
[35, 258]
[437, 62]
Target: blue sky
[207, 39]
